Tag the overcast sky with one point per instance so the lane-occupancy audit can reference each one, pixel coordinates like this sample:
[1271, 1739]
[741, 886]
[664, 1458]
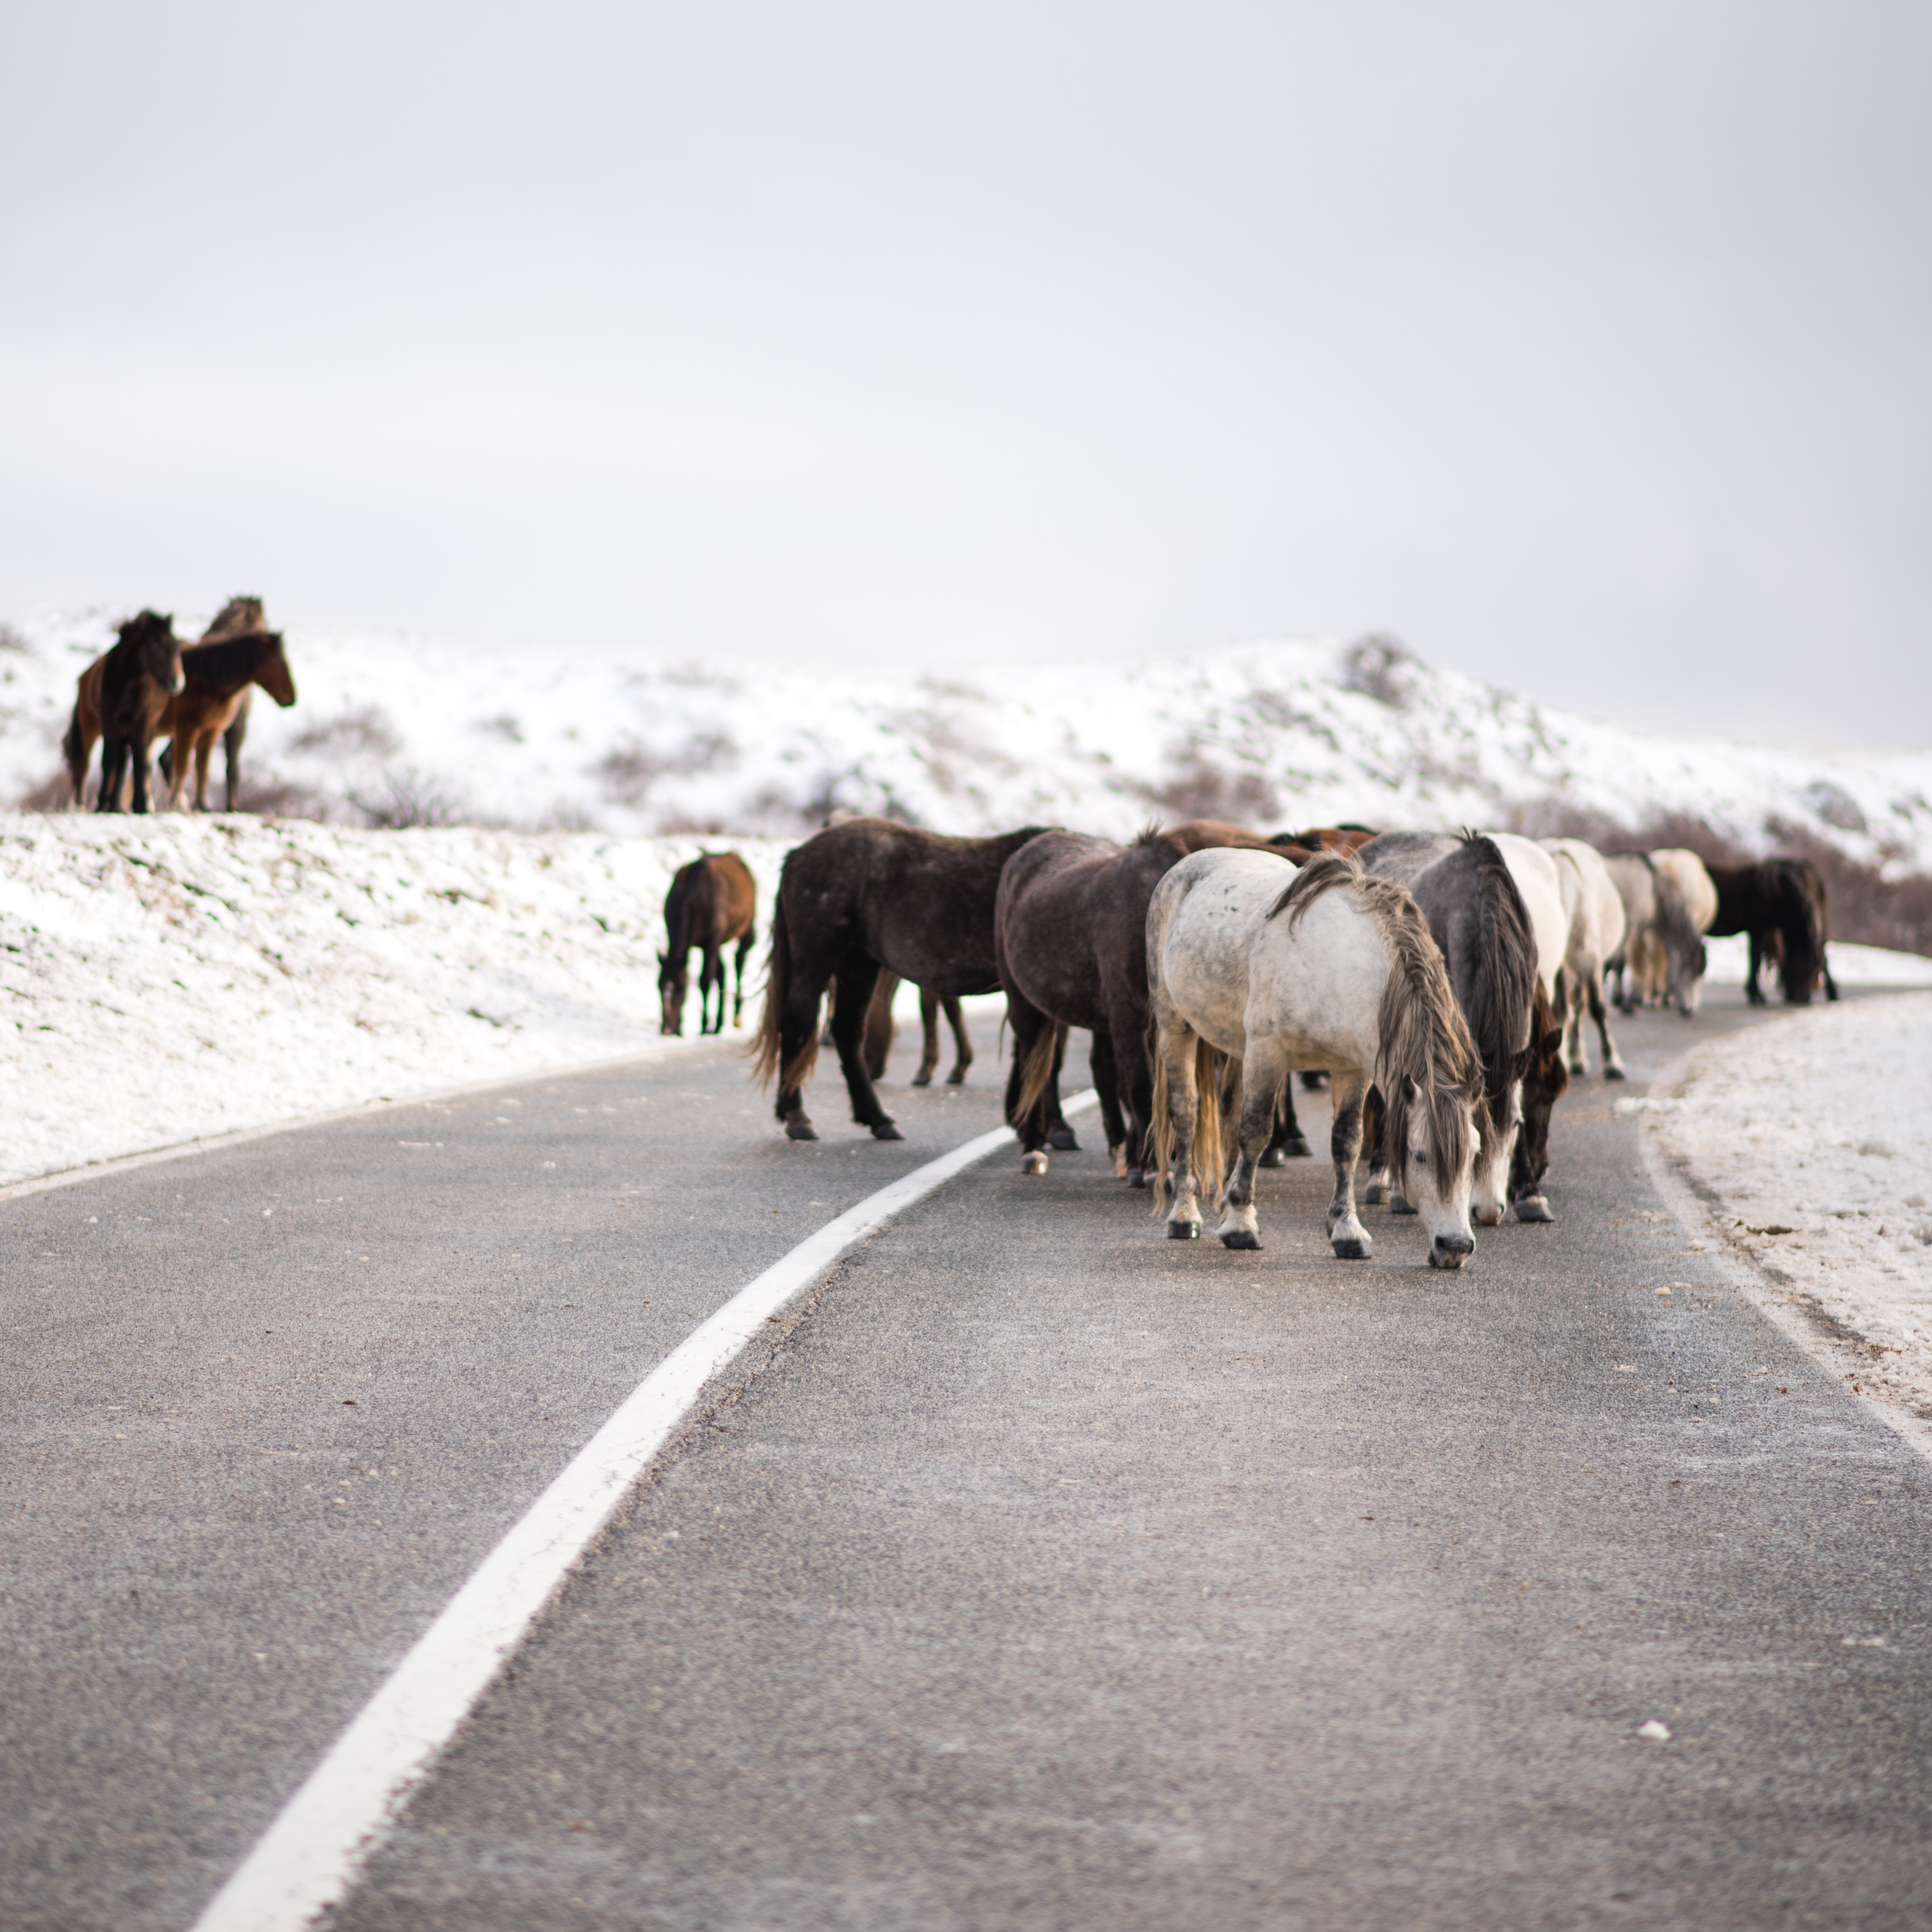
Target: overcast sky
[1583, 346]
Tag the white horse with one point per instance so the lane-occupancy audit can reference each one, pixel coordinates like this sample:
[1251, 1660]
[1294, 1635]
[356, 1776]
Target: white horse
[1329, 968]
[1685, 871]
[1669, 904]
[1596, 910]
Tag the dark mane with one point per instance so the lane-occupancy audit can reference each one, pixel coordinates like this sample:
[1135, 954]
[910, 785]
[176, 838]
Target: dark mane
[1499, 1001]
[232, 660]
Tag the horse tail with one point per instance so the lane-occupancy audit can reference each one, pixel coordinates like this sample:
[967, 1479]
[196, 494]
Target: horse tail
[1801, 921]
[73, 749]
[1039, 1064]
[1497, 1002]
[765, 1044]
[1425, 1056]
[1210, 1073]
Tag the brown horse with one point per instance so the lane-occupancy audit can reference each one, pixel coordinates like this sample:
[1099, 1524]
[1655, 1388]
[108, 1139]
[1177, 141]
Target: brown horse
[880, 1030]
[1302, 846]
[859, 896]
[219, 678]
[712, 901]
[1070, 931]
[122, 698]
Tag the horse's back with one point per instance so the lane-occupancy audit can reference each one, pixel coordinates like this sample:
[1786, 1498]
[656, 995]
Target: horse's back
[1535, 873]
[1202, 920]
[1315, 984]
[1694, 881]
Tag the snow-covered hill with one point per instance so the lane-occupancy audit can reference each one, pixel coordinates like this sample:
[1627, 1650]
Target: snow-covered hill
[392, 728]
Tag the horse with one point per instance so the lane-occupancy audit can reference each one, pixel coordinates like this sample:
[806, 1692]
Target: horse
[238, 617]
[712, 901]
[1069, 931]
[1463, 886]
[881, 1030]
[1252, 978]
[1545, 1081]
[1596, 912]
[218, 679]
[862, 895]
[1302, 846]
[1663, 956]
[1780, 902]
[122, 695]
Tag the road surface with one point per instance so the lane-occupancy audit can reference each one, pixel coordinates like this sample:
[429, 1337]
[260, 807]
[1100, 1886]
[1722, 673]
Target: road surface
[1049, 1575]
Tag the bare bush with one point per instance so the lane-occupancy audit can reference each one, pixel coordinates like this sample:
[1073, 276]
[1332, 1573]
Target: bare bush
[14, 641]
[1381, 667]
[365, 731]
[627, 771]
[404, 798]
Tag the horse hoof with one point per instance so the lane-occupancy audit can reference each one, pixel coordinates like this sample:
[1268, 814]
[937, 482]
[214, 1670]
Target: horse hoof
[1273, 1157]
[1615, 1073]
[1397, 1205]
[921, 1080]
[1297, 1149]
[1062, 1137]
[886, 1131]
[800, 1130]
[1184, 1230]
[1241, 1238]
[1350, 1250]
[1136, 1178]
[955, 1080]
[1533, 1207]
[1372, 1194]
[1033, 1164]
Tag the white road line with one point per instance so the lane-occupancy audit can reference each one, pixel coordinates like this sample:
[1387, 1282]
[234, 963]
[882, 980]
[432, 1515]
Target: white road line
[309, 1857]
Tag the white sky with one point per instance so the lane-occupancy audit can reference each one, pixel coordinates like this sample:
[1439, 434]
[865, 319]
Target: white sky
[1585, 346]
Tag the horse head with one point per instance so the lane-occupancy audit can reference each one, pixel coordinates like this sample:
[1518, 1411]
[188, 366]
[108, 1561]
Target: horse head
[272, 673]
[158, 649]
[673, 979]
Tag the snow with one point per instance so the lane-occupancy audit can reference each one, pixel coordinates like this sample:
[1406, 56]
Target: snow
[170, 978]
[1819, 1125]
[1851, 965]
[648, 741]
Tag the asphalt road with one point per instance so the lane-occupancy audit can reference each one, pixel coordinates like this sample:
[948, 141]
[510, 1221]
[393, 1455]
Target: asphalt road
[1052, 1574]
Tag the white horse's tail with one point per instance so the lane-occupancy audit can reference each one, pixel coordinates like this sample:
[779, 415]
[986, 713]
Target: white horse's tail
[1214, 1075]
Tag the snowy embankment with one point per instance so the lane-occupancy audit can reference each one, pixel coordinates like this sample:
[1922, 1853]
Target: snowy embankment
[1814, 1135]
[411, 729]
[170, 978]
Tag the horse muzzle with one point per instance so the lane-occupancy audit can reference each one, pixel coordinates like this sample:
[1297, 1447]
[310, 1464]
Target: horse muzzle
[1450, 1251]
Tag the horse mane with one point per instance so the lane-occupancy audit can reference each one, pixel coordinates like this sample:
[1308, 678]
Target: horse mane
[132, 632]
[1425, 1039]
[1499, 1003]
[1795, 895]
[236, 618]
[232, 659]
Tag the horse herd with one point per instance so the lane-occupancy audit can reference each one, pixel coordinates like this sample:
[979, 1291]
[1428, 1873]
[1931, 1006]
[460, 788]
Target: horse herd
[149, 689]
[1437, 981]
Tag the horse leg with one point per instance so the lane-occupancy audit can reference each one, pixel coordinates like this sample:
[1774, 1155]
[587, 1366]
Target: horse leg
[1831, 984]
[712, 983]
[1287, 1140]
[1380, 1186]
[1175, 1046]
[1028, 1023]
[929, 1029]
[1613, 1061]
[143, 775]
[738, 996]
[880, 1030]
[962, 1040]
[1346, 1235]
[113, 769]
[798, 1023]
[858, 978]
[1107, 1085]
[1754, 992]
[1264, 1079]
[1059, 1134]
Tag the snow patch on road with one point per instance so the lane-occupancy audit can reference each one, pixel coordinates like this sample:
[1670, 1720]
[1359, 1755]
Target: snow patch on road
[171, 978]
[1815, 1135]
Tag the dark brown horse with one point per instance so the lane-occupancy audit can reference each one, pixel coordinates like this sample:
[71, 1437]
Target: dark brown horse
[219, 677]
[712, 901]
[1070, 931]
[1780, 903]
[123, 695]
[860, 896]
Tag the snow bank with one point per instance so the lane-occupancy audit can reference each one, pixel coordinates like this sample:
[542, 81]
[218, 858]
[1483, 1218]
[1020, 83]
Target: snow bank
[412, 729]
[1815, 1132]
[169, 978]
[1851, 965]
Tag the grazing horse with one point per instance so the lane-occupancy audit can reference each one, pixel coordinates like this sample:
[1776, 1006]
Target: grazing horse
[1662, 960]
[123, 695]
[1780, 902]
[1069, 931]
[1252, 979]
[712, 901]
[1545, 1081]
[1596, 912]
[218, 679]
[865, 894]
[1465, 889]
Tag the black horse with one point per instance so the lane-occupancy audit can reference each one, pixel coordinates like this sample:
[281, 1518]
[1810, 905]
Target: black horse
[138, 677]
[859, 896]
[1780, 902]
